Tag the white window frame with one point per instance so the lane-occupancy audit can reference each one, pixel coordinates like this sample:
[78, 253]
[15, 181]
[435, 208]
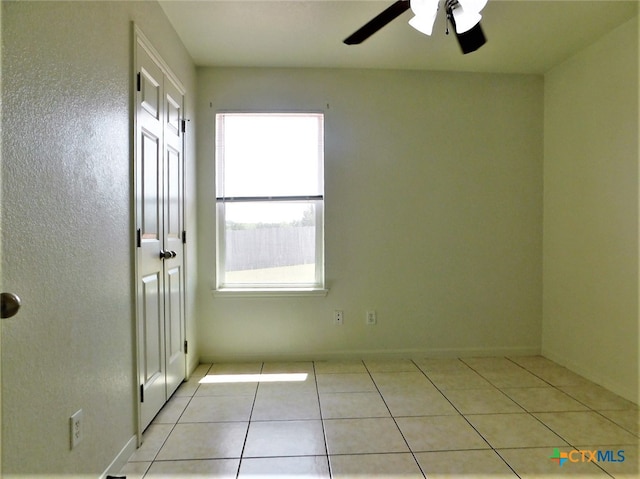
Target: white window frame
[269, 289]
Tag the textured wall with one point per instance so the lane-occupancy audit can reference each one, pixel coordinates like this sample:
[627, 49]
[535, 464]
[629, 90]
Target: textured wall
[591, 212]
[433, 215]
[67, 233]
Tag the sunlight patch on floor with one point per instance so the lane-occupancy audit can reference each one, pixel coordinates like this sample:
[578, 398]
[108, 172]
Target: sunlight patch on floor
[253, 378]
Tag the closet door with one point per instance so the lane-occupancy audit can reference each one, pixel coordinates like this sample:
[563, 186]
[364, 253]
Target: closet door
[159, 201]
[150, 237]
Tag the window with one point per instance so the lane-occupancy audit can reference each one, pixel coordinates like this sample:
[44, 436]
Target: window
[270, 201]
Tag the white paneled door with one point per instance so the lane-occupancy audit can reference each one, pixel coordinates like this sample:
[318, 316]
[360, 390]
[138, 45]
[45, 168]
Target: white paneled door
[159, 165]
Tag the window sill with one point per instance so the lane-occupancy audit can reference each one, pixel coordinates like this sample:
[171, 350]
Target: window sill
[268, 293]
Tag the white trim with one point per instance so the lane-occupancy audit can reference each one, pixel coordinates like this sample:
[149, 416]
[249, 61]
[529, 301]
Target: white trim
[268, 293]
[143, 41]
[122, 458]
[320, 266]
[220, 245]
[414, 353]
[134, 218]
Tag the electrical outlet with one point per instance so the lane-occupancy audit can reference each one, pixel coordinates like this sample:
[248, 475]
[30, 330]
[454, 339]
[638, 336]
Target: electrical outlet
[371, 317]
[338, 317]
[75, 427]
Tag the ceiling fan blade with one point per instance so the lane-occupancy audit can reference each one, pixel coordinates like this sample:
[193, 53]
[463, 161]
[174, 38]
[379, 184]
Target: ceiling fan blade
[379, 21]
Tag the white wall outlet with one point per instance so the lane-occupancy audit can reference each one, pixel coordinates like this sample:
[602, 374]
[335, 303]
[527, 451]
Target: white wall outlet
[371, 317]
[76, 426]
[338, 317]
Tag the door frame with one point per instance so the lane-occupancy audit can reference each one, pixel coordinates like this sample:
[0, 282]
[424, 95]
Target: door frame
[1, 434]
[141, 40]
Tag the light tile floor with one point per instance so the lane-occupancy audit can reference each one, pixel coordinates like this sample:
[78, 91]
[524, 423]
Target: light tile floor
[433, 418]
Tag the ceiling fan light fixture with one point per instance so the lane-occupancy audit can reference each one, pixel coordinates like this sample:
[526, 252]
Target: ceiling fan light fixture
[465, 20]
[425, 12]
[423, 24]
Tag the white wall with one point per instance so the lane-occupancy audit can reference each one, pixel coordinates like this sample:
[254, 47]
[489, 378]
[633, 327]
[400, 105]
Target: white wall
[67, 232]
[433, 215]
[591, 212]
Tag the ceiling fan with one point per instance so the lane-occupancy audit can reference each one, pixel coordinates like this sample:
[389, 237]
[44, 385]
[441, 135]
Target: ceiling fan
[464, 15]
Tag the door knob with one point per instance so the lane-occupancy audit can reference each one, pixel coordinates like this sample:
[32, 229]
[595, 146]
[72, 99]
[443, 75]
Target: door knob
[168, 254]
[9, 305]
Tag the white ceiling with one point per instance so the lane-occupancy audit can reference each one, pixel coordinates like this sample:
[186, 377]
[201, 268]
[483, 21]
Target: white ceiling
[523, 36]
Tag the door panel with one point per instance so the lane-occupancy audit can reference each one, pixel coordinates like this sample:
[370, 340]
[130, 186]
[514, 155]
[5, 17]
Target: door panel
[150, 212]
[152, 314]
[173, 137]
[174, 341]
[150, 92]
[174, 110]
[152, 367]
[173, 225]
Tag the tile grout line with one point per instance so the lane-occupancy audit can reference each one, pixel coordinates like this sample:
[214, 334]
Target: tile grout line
[246, 434]
[394, 420]
[324, 432]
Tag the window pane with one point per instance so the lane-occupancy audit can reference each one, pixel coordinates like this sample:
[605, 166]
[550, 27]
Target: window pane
[269, 154]
[270, 243]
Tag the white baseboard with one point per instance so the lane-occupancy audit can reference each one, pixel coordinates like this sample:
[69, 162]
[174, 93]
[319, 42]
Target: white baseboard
[191, 366]
[121, 459]
[624, 390]
[373, 354]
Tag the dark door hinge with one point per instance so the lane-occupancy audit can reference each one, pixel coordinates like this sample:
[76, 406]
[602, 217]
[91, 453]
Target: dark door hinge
[139, 238]
[139, 83]
[184, 126]
[184, 237]
[142, 393]
[186, 346]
